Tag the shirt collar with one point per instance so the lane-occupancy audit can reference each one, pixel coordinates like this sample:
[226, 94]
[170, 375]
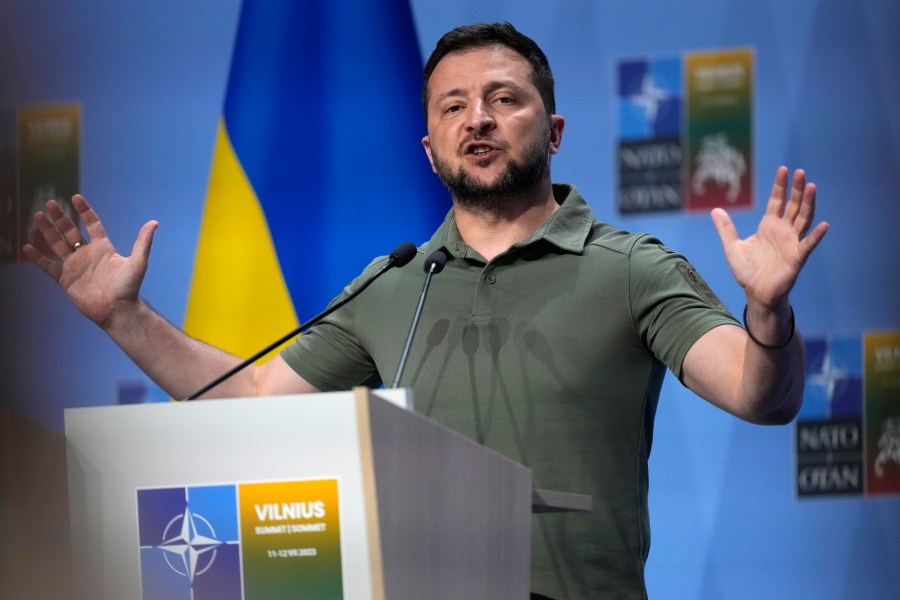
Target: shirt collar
[567, 228]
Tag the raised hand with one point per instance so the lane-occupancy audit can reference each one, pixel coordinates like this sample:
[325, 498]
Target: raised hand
[95, 277]
[767, 263]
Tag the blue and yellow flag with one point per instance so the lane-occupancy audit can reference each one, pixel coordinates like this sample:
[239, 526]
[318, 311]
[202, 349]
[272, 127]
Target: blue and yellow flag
[317, 169]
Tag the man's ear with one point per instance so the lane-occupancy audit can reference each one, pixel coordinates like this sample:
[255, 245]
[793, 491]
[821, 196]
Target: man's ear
[557, 124]
[426, 143]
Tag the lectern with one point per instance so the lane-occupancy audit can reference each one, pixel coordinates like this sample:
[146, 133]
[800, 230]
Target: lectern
[338, 495]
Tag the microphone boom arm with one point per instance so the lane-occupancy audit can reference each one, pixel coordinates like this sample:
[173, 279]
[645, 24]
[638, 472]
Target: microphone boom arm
[434, 264]
[399, 257]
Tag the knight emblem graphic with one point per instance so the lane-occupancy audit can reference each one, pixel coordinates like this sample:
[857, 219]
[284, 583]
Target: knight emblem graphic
[720, 162]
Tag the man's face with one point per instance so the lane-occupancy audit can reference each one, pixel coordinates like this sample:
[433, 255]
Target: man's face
[489, 136]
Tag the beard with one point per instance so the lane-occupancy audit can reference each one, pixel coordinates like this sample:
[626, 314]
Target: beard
[515, 183]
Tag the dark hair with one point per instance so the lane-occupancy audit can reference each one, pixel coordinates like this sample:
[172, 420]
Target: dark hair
[482, 35]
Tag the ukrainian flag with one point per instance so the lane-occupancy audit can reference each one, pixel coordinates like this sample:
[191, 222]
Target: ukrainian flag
[317, 168]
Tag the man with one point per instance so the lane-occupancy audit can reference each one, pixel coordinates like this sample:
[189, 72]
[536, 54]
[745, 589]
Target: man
[546, 336]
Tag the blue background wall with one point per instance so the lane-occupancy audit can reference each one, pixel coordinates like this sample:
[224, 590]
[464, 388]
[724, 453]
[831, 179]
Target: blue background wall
[151, 80]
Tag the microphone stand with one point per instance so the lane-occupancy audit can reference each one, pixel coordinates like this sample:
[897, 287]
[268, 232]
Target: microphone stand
[434, 264]
[401, 255]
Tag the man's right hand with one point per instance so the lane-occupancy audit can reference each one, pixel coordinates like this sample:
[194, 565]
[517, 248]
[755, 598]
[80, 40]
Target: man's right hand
[96, 278]
[105, 286]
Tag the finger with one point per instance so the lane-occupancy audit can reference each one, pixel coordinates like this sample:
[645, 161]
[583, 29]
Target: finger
[144, 242]
[775, 205]
[51, 234]
[67, 228]
[809, 243]
[91, 221]
[725, 227]
[50, 267]
[807, 210]
[797, 192]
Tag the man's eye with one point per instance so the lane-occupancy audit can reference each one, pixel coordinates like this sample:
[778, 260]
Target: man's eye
[505, 99]
[453, 108]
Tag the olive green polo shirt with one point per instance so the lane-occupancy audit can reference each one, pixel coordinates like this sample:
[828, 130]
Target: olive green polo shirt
[553, 354]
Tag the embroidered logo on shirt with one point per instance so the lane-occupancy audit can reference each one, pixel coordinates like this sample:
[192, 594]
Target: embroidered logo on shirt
[699, 285]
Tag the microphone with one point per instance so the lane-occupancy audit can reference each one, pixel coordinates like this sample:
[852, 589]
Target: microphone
[434, 264]
[401, 255]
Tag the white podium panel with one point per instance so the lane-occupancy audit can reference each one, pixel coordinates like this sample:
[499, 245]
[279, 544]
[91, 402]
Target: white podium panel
[339, 495]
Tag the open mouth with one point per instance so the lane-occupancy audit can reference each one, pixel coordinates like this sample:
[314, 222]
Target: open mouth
[479, 149]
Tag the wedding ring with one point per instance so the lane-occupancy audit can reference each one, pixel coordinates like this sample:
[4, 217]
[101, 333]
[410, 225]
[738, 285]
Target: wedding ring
[78, 245]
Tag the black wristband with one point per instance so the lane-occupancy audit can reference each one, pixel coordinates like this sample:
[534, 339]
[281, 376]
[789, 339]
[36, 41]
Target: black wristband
[767, 346]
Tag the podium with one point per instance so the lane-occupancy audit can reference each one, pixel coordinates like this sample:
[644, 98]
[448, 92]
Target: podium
[332, 495]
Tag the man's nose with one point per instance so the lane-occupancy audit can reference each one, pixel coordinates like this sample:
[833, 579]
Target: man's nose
[480, 117]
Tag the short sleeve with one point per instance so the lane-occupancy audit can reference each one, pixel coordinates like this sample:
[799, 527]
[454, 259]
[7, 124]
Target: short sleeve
[672, 305]
[330, 355]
